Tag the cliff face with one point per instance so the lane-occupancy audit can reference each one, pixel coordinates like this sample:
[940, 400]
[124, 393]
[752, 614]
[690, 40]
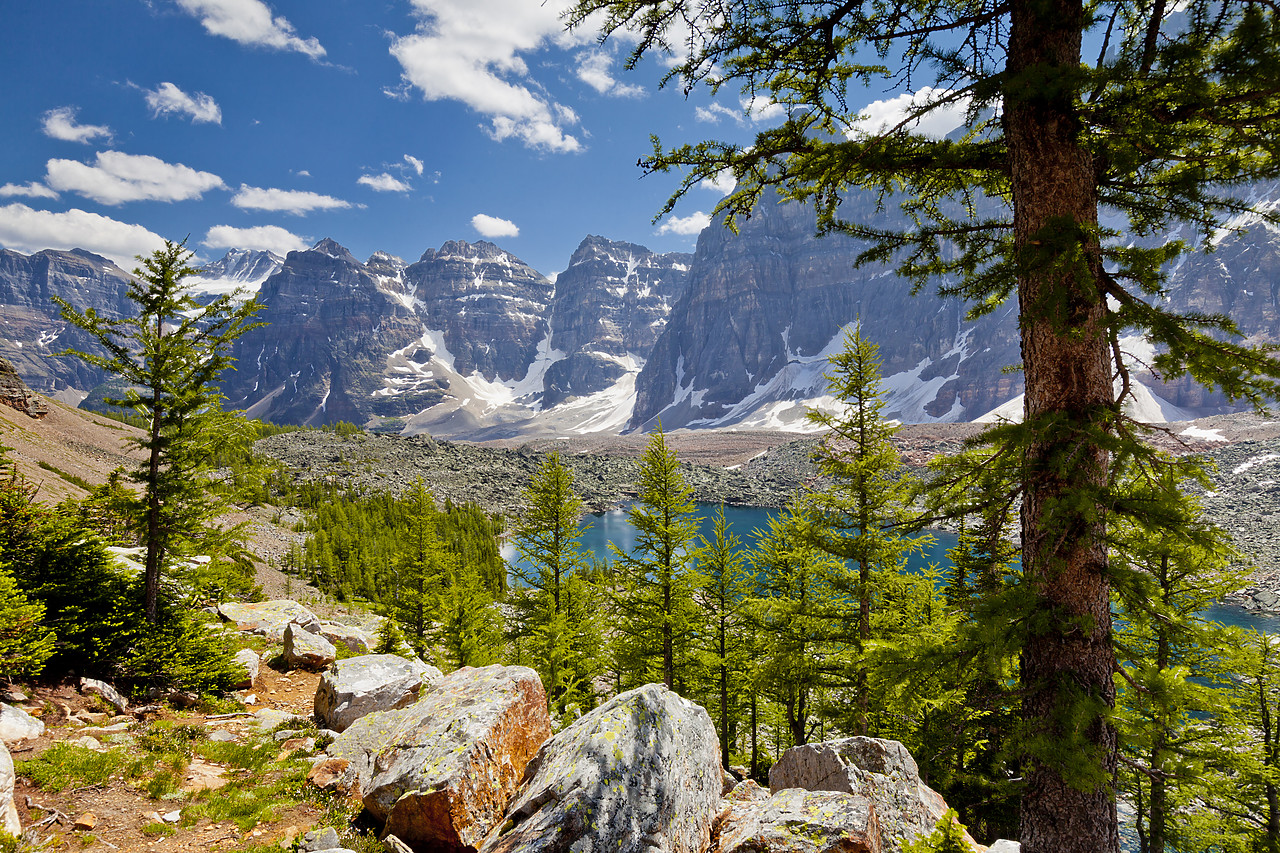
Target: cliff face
[320, 357]
[610, 306]
[489, 306]
[765, 307]
[31, 326]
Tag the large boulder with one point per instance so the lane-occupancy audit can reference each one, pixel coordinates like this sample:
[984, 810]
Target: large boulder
[361, 685]
[305, 650]
[16, 724]
[883, 771]
[798, 821]
[8, 811]
[252, 662]
[266, 618]
[639, 774]
[354, 640]
[441, 771]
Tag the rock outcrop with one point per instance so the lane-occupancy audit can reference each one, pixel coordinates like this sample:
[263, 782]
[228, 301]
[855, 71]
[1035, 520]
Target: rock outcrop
[883, 771]
[304, 649]
[798, 821]
[9, 821]
[16, 724]
[441, 771]
[639, 774]
[15, 394]
[267, 618]
[357, 686]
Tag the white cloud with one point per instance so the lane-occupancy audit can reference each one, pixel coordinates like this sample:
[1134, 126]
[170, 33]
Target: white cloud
[270, 238]
[472, 52]
[25, 230]
[61, 124]
[289, 201]
[492, 226]
[713, 113]
[250, 22]
[168, 98]
[723, 182]
[31, 190]
[595, 68]
[762, 109]
[883, 115]
[687, 225]
[417, 164]
[384, 183]
[116, 177]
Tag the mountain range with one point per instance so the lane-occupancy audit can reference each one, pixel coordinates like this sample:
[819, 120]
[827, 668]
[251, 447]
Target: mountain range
[470, 341]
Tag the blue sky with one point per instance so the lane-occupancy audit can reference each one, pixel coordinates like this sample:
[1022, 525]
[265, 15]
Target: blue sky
[389, 125]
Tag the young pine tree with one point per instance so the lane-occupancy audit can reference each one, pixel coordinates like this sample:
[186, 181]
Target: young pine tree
[653, 586]
[172, 354]
[558, 604]
[423, 567]
[863, 508]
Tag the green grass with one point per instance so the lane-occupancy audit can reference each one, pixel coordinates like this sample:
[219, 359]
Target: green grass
[63, 765]
[70, 478]
[242, 755]
[158, 830]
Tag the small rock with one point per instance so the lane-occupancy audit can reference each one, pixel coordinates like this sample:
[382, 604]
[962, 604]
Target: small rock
[92, 718]
[14, 696]
[284, 734]
[294, 744]
[305, 650]
[1003, 845]
[251, 662]
[290, 835]
[222, 736]
[87, 742]
[392, 844]
[152, 817]
[173, 816]
[250, 699]
[320, 839]
[108, 693]
[86, 822]
[16, 724]
[327, 773]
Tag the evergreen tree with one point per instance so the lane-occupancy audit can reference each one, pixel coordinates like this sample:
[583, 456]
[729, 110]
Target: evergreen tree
[724, 587]
[559, 610]
[864, 507]
[423, 567]
[1174, 674]
[653, 585]
[802, 614]
[172, 354]
[468, 628]
[1169, 126]
[25, 642]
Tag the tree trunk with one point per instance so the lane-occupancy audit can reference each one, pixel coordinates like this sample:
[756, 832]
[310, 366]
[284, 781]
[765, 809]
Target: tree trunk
[1068, 658]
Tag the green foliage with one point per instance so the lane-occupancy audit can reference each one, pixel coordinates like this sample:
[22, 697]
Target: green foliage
[557, 604]
[170, 357]
[111, 510]
[947, 837]
[390, 641]
[652, 587]
[177, 651]
[63, 765]
[25, 642]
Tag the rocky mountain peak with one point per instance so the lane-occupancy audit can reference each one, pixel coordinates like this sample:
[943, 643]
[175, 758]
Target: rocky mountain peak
[333, 249]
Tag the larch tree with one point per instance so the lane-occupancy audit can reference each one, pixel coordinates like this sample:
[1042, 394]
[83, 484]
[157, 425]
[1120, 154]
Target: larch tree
[171, 355]
[1166, 121]
[653, 583]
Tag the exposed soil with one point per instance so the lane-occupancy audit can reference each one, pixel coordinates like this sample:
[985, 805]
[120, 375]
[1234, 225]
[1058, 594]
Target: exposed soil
[120, 811]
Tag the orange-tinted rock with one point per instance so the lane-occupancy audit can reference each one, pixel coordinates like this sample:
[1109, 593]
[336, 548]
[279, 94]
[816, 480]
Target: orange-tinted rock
[440, 772]
[798, 821]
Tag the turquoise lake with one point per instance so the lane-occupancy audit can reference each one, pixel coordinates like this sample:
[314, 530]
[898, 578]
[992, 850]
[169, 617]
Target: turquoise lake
[600, 529]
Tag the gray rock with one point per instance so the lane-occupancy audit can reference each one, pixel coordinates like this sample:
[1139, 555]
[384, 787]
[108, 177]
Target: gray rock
[16, 724]
[9, 821]
[269, 718]
[108, 693]
[266, 618]
[305, 650]
[222, 736]
[361, 685]
[252, 662]
[320, 839]
[799, 821]
[1003, 845]
[354, 640]
[883, 771]
[639, 774]
[441, 771]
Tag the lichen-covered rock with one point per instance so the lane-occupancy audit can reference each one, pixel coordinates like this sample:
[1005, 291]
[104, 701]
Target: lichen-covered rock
[881, 770]
[306, 650]
[799, 821]
[267, 618]
[251, 661]
[1004, 845]
[441, 771]
[748, 790]
[361, 685]
[9, 821]
[639, 774]
[355, 641]
[106, 692]
[16, 724]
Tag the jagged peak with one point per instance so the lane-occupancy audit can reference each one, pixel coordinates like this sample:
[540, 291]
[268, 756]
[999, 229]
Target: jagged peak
[334, 249]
